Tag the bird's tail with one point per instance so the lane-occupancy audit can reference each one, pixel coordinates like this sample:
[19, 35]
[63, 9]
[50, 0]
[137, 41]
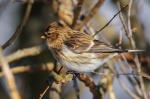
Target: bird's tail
[134, 50]
[122, 51]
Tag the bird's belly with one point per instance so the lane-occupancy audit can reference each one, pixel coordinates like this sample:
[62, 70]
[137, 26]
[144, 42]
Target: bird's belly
[85, 62]
[82, 67]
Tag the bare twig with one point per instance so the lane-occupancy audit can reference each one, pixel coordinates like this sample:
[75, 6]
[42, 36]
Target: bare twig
[50, 82]
[44, 92]
[20, 27]
[111, 91]
[132, 42]
[10, 80]
[24, 53]
[130, 58]
[90, 83]
[49, 67]
[76, 87]
[108, 80]
[64, 10]
[129, 26]
[123, 21]
[56, 79]
[77, 12]
[120, 39]
[93, 11]
[127, 90]
[55, 91]
[110, 21]
[23, 69]
[123, 85]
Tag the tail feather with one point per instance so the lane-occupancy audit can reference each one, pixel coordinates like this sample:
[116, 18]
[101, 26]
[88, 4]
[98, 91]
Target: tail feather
[121, 51]
[135, 50]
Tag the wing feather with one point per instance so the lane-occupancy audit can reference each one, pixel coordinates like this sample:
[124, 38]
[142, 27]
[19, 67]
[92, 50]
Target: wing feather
[79, 42]
[83, 43]
[102, 47]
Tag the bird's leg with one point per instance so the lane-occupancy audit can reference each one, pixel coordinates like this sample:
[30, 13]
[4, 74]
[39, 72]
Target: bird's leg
[59, 70]
[74, 73]
[119, 46]
[57, 67]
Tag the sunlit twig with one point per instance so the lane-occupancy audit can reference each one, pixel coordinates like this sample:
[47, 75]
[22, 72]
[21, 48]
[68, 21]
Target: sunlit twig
[10, 80]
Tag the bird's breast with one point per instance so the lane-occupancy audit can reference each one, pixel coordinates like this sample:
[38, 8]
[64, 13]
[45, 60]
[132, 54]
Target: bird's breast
[83, 62]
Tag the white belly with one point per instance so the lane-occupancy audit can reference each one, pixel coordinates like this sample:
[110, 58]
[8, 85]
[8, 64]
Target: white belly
[85, 62]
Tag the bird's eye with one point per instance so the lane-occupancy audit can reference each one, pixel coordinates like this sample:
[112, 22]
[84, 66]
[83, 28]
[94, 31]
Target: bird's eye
[52, 36]
[47, 29]
[60, 24]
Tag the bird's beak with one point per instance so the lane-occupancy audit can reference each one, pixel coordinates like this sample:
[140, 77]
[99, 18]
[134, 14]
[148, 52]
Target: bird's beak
[43, 37]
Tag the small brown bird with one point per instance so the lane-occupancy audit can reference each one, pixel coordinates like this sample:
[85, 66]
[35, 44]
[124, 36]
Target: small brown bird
[77, 50]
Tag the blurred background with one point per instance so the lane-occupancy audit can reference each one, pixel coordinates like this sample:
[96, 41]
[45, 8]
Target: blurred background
[43, 12]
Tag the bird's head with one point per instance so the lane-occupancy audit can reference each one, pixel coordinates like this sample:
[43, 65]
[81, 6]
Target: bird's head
[55, 34]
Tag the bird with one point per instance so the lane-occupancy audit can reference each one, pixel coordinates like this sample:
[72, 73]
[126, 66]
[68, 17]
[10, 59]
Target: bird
[76, 50]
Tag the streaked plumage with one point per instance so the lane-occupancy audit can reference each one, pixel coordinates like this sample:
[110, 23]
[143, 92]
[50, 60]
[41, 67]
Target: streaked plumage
[76, 50]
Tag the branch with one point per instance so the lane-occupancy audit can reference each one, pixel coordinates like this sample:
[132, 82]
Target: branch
[123, 21]
[20, 27]
[136, 59]
[93, 11]
[24, 53]
[56, 80]
[110, 21]
[127, 90]
[90, 83]
[10, 80]
[124, 86]
[36, 50]
[26, 69]
[55, 91]
[77, 12]
[76, 88]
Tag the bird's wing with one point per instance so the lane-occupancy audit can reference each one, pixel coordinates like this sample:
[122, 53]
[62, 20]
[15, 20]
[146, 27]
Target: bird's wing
[102, 47]
[83, 43]
[79, 42]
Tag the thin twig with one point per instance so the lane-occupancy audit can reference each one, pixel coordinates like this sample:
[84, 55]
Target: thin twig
[110, 21]
[133, 79]
[123, 21]
[110, 90]
[77, 12]
[123, 85]
[127, 90]
[132, 42]
[90, 83]
[120, 39]
[20, 27]
[50, 82]
[49, 67]
[107, 80]
[56, 79]
[55, 91]
[76, 87]
[93, 11]
[27, 68]
[126, 31]
[24, 53]
[10, 80]
[44, 92]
